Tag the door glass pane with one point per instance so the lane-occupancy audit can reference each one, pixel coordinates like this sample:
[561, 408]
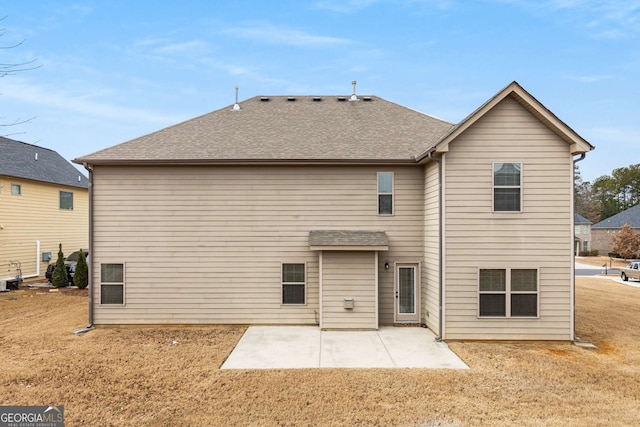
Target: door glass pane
[406, 290]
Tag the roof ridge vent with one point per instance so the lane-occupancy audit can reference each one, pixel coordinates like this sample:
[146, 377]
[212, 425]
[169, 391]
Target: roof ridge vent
[291, 98]
[317, 98]
[366, 98]
[353, 92]
[264, 98]
[236, 106]
[342, 98]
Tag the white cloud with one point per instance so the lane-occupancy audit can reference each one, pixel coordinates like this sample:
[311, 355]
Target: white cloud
[82, 102]
[610, 19]
[284, 36]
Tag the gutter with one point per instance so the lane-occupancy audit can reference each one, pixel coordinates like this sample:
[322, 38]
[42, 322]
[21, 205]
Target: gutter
[89, 327]
[440, 245]
[573, 263]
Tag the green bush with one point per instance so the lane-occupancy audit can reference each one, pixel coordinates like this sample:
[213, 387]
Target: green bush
[59, 279]
[81, 276]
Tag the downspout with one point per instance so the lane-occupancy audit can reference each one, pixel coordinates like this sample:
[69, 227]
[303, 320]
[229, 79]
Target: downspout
[440, 245]
[89, 327]
[573, 263]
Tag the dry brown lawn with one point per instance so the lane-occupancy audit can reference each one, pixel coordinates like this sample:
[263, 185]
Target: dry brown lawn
[137, 376]
[598, 261]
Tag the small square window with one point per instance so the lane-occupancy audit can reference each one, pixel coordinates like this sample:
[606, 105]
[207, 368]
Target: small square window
[66, 200]
[294, 283]
[16, 189]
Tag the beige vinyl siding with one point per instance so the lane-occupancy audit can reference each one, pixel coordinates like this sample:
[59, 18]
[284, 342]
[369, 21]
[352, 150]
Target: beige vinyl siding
[349, 275]
[204, 244]
[538, 237]
[34, 216]
[431, 263]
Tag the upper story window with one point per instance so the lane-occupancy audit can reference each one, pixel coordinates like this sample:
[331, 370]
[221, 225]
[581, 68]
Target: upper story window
[385, 193]
[66, 200]
[507, 187]
[16, 189]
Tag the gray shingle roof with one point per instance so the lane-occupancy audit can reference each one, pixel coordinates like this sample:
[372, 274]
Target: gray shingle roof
[579, 219]
[21, 160]
[347, 238]
[631, 216]
[280, 129]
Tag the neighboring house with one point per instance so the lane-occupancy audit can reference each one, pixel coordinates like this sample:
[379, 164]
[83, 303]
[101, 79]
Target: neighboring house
[602, 233]
[44, 201]
[582, 232]
[343, 212]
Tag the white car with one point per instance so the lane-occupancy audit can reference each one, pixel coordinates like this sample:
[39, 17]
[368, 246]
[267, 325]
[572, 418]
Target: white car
[631, 271]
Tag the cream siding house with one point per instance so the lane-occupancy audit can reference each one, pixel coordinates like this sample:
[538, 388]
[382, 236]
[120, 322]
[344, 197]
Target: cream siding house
[342, 212]
[44, 201]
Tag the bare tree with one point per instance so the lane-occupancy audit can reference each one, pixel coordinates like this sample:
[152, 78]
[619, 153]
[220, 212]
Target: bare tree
[10, 68]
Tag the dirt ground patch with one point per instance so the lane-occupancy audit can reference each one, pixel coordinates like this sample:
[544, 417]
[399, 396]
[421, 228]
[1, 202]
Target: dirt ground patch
[171, 375]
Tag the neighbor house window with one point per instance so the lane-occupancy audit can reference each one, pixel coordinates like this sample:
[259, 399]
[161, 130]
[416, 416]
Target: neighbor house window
[576, 229]
[585, 246]
[507, 188]
[16, 189]
[66, 200]
[294, 283]
[585, 229]
[385, 193]
[112, 284]
[510, 292]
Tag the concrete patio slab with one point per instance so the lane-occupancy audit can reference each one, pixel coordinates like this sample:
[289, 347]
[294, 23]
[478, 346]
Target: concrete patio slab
[297, 347]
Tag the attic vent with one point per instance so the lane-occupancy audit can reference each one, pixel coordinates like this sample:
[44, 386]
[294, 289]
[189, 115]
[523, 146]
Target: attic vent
[317, 99]
[236, 106]
[36, 156]
[353, 96]
[366, 98]
[291, 98]
[342, 98]
[264, 98]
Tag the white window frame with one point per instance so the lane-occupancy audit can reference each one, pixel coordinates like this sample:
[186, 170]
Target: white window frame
[384, 193]
[494, 186]
[508, 292]
[123, 283]
[283, 283]
[60, 200]
[18, 187]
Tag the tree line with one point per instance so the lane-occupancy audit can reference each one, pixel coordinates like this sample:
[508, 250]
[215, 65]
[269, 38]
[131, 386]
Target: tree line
[607, 195]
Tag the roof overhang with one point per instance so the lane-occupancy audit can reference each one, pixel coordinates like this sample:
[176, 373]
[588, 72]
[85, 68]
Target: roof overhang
[348, 240]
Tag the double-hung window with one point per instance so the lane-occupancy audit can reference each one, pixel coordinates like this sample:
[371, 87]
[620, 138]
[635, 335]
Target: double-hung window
[507, 187]
[16, 189]
[294, 283]
[508, 292]
[112, 284]
[385, 193]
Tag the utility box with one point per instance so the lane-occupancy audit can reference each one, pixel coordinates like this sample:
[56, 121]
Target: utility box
[348, 303]
[46, 256]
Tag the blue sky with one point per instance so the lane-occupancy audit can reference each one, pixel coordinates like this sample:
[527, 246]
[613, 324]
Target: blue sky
[114, 70]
